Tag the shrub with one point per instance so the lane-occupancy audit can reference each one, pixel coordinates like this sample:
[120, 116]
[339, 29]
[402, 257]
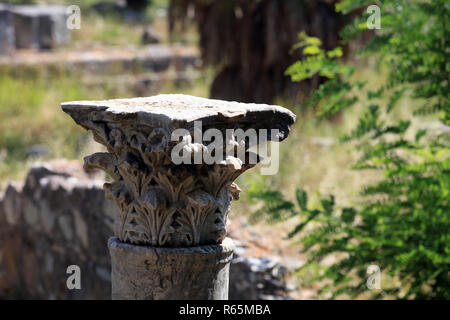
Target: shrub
[403, 223]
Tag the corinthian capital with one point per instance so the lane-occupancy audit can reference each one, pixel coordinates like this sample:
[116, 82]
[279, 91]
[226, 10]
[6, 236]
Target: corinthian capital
[165, 201]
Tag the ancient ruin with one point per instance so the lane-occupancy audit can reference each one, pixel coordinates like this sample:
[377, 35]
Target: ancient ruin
[181, 207]
[59, 216]
[32, 27]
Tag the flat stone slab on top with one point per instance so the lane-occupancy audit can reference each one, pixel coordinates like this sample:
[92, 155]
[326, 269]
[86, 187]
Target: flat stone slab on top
[180, 111]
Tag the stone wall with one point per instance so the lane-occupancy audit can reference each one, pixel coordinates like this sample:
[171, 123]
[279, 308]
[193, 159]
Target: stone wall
[59, 217]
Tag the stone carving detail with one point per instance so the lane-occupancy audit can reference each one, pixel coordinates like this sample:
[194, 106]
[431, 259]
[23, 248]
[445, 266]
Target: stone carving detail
[163, 204]
[160, 203]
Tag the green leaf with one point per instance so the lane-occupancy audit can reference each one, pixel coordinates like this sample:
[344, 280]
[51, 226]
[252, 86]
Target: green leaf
[419, 134]
[302, 199]
[311, 50]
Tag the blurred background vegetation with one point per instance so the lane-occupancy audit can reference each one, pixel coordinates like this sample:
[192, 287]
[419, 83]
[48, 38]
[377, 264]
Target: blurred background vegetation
[246, 48]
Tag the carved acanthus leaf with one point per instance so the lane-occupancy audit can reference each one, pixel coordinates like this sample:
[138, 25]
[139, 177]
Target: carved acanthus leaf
[161, 203]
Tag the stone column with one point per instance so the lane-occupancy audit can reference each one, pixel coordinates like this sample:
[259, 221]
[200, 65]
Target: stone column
[170, 235]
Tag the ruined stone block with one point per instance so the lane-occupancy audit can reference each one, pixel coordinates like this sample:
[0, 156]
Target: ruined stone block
[40, 27]
[7, 38]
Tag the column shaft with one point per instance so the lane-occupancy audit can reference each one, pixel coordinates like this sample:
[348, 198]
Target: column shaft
[159, 273]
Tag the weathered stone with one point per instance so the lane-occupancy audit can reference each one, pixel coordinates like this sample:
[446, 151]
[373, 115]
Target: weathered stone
[173, 111]
[30, 272]
[66, 227]
[256, 278]
[47, 217]
[11, 262]
[7, 36]
[141, 70]
[166, 203]
[163, 204]
[25, 30]
[152, 273]
[31, 214]
[32, 27]
[57, 246]
[11, 205]
[150, 36]
[41, 224]
[49, 263]
[81, 229]
[40, 27]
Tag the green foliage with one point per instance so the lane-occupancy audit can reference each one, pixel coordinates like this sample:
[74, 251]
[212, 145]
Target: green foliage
[403, 224]
[316, 61]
